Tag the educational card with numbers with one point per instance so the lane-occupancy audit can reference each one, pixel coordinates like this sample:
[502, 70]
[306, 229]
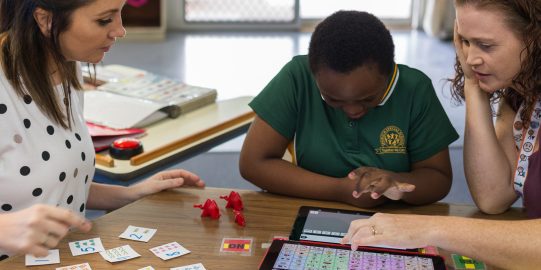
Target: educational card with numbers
[119, 254]
[147, 268]
[169, 251]
[88, 246]
[138, 233]
[83, 266]
[197, 266]
[51, 258]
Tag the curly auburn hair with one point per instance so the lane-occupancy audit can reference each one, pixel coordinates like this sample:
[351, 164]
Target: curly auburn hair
[524, 18]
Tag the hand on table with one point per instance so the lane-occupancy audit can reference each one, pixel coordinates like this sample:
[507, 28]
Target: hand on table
[400, 231]
[37, 229]
[166, 180]
[378, 183]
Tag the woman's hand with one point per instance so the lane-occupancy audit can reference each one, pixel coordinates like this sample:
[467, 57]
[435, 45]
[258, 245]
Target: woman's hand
[37, 229]
[378, 183]
[165, 180]
[399, 231]
[462, 55]
[470, 81]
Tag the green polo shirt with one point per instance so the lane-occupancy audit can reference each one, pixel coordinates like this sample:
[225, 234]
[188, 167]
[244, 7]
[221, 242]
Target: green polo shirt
[410, 126]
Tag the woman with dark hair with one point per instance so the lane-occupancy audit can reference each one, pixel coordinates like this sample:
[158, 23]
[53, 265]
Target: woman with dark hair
[357, 122]
[46, 153]
[498, 45]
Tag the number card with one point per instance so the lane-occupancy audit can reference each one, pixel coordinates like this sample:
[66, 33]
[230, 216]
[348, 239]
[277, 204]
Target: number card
[51, 258]
[147, 268]
[197, 266]
[169, 251]
[119, 254]
[138, 233]
[88, 246]
[83, 266]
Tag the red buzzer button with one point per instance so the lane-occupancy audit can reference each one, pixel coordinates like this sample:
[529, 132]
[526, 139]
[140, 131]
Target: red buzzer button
[125, 148]
[126, 143]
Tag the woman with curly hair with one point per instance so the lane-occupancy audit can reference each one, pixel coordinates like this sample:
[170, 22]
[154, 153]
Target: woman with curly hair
[498, 45]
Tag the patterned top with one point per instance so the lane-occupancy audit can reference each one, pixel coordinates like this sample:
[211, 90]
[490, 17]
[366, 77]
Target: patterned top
[41, 162]
[527, 177]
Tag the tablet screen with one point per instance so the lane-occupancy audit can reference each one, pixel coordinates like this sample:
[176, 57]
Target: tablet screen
[284, 254]
[324, 224]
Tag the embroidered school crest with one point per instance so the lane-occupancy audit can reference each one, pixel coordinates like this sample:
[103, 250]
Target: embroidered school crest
[391, 141]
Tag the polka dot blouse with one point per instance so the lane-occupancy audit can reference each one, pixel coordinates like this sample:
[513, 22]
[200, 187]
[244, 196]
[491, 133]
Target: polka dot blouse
[41, 162]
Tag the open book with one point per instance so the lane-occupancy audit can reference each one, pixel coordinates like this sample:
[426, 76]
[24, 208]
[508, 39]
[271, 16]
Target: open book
[128, 97]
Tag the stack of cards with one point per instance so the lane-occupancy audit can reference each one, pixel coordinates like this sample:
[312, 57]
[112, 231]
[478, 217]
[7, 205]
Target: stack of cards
[122, 253]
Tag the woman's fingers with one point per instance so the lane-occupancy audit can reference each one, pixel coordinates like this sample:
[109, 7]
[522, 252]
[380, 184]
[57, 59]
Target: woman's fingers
[38, 251]
[65, 216]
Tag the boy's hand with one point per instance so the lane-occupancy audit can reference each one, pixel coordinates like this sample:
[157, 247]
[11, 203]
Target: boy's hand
[379, 183]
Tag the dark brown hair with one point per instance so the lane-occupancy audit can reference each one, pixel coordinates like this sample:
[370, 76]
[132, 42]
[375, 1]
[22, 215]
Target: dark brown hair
[524, 18]
[26, 54]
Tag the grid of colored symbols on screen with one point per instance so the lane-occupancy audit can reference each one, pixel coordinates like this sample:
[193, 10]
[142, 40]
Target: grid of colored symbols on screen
[293, 256]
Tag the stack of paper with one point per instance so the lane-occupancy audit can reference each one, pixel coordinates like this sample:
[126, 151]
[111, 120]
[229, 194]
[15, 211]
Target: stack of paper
[118, 111]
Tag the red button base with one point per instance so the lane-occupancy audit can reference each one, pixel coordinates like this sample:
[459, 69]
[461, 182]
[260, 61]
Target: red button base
[125, 148]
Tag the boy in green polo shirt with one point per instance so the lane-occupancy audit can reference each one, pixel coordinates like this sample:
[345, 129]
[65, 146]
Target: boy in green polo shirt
[363, 129]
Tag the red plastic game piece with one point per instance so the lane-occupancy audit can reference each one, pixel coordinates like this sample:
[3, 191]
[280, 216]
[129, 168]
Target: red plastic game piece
[210, 209]
[239, 218]
[233, 201]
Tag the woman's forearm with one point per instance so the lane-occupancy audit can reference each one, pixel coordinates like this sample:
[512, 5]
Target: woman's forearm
[506, 244]
[109, 197]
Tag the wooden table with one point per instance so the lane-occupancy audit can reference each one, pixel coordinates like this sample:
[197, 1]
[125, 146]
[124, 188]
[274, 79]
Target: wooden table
[172, 213]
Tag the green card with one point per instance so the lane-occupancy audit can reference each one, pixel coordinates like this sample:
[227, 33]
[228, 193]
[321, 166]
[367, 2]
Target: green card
[463, 262]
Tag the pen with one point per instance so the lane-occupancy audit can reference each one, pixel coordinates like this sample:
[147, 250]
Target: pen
[106, 161]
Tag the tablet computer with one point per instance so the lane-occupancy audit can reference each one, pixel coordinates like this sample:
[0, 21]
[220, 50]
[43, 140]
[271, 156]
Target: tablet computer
[323, 224]
[287, 254]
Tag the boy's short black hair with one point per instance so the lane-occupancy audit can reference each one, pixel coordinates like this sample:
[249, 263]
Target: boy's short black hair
[347, 40]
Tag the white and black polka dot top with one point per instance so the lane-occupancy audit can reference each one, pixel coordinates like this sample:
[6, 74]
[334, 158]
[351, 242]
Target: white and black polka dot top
[41, 162]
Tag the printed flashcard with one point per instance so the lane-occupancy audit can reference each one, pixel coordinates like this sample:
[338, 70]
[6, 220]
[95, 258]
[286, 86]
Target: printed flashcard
[138, 233]
[83, 266]
[463, 262]
[147, 268]
[51, 258]
[88, 246]
[169, 251]
[197, 266]
[119, 254]
[237, 245]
